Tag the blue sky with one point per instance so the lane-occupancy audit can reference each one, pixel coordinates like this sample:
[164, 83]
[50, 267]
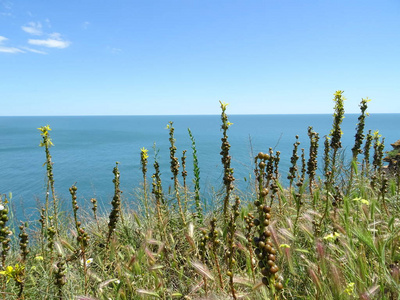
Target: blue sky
[181, 56]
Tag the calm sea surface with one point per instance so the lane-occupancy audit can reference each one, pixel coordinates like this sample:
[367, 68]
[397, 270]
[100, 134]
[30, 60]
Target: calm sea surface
[86, 149]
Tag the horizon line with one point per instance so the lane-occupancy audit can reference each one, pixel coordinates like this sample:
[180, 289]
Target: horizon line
[166, 115]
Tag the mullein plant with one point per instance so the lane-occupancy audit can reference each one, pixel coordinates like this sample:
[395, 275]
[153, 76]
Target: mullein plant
[293, 168]
[82, 236]
[60, 277]
[144, 155]
[312, 162]
[273, 175]
[196, 180]
[47, 143]
[157, 191]
[228, 178]
[5, 240]
[184, 175]
[231, 246]
[94, 209]
[379, 178]
[116, 206]
[264, 249]
[336, 132]
[214, 244]
[298, 196]
[23, 245]
[175, 168]
[359, 138]
[367, 148]
[42, 221]
[5, 231]
[249, 219]
[332, 148]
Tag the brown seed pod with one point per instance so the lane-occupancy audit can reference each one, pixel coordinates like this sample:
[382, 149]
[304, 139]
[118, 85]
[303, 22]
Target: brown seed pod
[279, 286]
[274, 269]
[271, 257]
[267, 209]
[266, 156]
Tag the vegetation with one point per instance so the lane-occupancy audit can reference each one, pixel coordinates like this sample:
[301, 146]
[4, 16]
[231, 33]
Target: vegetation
[334, 235]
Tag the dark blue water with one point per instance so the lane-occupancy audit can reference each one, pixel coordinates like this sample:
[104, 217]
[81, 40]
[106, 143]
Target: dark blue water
[86, 149]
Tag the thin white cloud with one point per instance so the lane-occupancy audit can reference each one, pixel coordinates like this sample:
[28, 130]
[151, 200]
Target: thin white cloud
[10, 50]
[5, 49]
[34, 50]
[55, 41]
[34, 28]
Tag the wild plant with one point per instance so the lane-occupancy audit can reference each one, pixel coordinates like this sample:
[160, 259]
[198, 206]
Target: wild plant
[60, 277]
[293, 160]
[51, 235]
[231, 247]
[249, 219]
[184, 175]
[143, 162]
[116, 206]
[312, 162]
[359, 137]
[367, 147]
[24, 251]
[228, 178]
[215, 243]
[196, 180]
[379, 179]
[94, 209]
[327, 160]
[264, 249]
[298, 196]
[5, 240]
[336, 132]
[5, 231]
[175, 169]
[275, 184]
[47, 143]
[82, 237]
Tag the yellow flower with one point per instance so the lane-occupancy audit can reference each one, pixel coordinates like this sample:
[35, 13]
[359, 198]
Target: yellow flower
[144, 152]
[362, 201]
[350, 288]
[223, 105]
[332, 237]
[13, 272]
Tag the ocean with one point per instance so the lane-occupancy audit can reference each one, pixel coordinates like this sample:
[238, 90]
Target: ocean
[86, 149]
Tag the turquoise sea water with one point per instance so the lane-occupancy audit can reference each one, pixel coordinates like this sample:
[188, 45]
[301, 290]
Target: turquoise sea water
[86, 149]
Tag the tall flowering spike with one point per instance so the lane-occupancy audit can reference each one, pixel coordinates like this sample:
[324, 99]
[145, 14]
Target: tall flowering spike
[359, 137]
[338, 116]
[226, 159]
[175, 168]
[116, 205]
